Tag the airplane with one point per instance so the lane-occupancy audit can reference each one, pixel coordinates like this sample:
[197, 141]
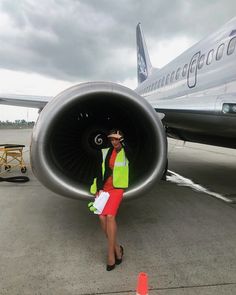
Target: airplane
[197, 90]
[192, 98]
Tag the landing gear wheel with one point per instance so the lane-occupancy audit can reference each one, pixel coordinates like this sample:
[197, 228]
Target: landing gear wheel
[23, 169]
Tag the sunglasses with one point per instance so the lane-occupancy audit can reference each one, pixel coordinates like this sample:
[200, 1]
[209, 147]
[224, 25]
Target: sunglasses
[114, 139]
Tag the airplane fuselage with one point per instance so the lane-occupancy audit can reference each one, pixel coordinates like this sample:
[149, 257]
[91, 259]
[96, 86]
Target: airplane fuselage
[197, 90]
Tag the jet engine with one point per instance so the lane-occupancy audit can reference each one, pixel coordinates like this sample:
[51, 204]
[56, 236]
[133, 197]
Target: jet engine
[73, 127]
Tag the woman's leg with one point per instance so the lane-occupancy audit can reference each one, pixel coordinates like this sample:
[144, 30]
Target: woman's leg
[111, 235]
[103, 222]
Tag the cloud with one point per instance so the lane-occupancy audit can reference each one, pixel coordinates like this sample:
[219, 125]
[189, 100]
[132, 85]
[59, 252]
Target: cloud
[95, 40]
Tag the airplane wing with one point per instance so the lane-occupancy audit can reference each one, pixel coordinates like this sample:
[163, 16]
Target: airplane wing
[23, 100]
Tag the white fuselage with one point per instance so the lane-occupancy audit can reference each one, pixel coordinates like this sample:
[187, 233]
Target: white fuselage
[192, 89]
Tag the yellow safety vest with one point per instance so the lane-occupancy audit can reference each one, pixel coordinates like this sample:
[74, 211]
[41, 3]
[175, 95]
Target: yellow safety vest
[120, 171]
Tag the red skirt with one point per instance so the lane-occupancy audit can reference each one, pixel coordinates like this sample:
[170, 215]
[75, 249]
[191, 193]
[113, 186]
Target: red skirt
[113, 203]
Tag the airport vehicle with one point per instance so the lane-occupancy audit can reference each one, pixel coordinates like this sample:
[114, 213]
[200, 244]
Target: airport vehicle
[196, 92]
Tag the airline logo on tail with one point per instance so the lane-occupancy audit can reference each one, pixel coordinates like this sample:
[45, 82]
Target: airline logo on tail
[142, 67]
[143, 62]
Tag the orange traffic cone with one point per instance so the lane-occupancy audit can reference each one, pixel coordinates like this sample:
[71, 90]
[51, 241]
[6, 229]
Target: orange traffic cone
[142, 285]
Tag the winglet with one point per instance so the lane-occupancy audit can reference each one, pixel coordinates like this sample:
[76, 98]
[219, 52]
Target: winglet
[144, 65]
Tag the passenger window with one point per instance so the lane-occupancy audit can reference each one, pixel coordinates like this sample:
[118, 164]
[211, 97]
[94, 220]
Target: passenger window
[201, 61]
[168, 79]
[220, 51]
[193, 66]
[159, 83]
[210, 57]
[233, 33]
[231, 46]
[177, 74]
[156, 85]
[172, 76]
[184, 70]
[163, 81]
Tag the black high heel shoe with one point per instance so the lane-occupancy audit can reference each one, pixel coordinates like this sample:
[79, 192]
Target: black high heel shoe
[111, 267]
[119, 260]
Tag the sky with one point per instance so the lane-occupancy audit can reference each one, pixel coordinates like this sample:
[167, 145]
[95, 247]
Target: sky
[50, 45]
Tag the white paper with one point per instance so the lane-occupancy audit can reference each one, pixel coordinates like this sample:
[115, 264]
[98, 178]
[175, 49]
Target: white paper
[100, 202]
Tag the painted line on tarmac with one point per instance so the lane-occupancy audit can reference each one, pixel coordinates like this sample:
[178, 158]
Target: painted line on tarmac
[163, 289]
[183, 181]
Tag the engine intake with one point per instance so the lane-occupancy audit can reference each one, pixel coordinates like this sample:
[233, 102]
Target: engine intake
[73, 126]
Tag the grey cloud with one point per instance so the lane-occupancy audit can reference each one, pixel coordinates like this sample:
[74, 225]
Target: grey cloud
[80, 40]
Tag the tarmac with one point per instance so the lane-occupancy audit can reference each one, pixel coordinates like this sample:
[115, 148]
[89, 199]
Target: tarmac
[183, 239]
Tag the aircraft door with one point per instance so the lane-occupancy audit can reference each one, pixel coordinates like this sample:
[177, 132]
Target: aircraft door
[192, 70]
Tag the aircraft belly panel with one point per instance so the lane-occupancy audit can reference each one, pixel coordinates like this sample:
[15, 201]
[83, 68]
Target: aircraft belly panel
[202, 128]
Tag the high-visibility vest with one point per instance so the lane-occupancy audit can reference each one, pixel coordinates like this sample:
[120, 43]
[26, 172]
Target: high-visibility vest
[120, 171]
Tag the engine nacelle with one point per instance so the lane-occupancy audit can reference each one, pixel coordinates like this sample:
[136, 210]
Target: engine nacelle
[73, 126]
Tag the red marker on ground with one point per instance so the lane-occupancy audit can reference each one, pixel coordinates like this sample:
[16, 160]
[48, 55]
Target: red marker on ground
[142, 285]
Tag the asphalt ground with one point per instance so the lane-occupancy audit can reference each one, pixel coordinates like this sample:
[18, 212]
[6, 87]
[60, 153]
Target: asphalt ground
[183, 239]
